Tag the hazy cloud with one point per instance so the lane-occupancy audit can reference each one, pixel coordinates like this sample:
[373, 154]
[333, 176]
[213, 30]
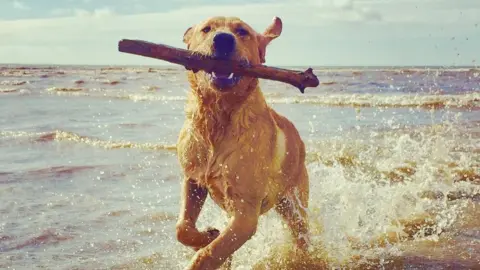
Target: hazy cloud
[99, 12]
[78, 12]
[343, 10]
[19, 5]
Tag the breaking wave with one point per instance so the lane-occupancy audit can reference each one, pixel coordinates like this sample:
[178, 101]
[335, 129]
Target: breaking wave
[6, 91]
[65, 136]
[13, 83]
[65, 89]
[469, 101]
[463, 101]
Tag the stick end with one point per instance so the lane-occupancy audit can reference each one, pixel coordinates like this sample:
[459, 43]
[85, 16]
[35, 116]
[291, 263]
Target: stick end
[310, 80]
[122, 44]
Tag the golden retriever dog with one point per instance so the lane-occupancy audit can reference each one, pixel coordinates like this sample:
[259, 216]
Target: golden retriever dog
[235, 148]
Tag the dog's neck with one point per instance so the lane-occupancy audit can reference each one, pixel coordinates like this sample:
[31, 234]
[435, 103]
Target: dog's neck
[213, 114]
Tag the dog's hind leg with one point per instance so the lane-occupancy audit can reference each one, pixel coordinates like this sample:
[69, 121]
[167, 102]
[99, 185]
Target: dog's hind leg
[193, 198]
[293, 209]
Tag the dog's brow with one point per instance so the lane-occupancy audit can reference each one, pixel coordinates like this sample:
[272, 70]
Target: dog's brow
[211, 22]
[240, 24]
[237, 24]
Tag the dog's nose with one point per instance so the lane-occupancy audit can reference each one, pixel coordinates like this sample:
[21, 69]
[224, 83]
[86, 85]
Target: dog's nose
[224, 45]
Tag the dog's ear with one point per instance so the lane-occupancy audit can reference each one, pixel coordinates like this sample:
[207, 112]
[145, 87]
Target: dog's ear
[187, 36]
[272, 32]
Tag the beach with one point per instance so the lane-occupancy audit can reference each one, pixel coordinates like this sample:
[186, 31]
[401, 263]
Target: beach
[89, 177]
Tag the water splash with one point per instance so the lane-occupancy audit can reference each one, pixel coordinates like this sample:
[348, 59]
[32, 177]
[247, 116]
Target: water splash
[368, 198]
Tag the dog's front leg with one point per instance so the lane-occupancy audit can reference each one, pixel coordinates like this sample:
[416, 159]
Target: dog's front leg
[193, 198]
[241, 228]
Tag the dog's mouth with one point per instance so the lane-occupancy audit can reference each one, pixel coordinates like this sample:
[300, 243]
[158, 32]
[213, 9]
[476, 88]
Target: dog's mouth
[223, 80]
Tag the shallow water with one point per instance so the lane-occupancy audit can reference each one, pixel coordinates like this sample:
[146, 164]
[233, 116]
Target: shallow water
[89, 177]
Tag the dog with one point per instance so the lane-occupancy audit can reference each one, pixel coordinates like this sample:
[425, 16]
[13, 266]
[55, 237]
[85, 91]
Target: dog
[235, 148]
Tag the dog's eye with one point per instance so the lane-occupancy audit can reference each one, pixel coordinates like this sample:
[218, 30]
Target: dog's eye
[206, 29]
[242, 32]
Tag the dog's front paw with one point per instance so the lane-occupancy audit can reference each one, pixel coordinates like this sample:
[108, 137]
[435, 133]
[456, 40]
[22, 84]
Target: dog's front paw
[213, 232]
[210, 234]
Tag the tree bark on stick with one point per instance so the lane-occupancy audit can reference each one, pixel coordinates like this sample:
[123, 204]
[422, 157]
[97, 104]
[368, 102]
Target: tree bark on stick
[194, 61]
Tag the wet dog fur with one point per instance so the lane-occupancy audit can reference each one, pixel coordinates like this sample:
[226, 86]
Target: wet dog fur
[235, 148]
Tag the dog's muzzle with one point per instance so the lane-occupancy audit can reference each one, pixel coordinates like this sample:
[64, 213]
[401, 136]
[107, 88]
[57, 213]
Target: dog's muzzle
[224, 46]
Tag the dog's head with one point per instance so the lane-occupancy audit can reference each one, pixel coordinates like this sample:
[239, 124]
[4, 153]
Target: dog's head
[229, 38]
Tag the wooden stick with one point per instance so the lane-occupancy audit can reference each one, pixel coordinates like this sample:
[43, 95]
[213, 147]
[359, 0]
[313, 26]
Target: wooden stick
[194, 61]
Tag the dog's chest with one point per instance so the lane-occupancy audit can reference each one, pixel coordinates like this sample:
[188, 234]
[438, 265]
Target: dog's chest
[247, 166]
[215, 176]
[197, 159]
[220, 191]
[201, 160]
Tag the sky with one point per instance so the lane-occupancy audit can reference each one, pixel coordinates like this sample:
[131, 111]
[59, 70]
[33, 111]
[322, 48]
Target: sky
[315, 32]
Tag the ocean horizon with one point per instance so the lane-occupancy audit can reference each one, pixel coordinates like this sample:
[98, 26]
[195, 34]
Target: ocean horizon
[452, 66]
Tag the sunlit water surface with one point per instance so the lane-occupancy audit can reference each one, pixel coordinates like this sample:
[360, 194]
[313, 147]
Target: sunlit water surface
[89, 177]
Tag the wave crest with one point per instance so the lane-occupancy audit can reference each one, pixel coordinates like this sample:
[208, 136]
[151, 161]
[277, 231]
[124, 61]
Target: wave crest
[64, 89]
[470, 101]
[464, 101]
[14, 83]
[6, 91]
[66, 136]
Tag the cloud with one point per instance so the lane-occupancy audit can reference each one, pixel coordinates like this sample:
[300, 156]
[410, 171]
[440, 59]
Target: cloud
[433, 12]
[19, 5]
[99, 12]
[336, 10]
[77, 12]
